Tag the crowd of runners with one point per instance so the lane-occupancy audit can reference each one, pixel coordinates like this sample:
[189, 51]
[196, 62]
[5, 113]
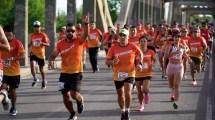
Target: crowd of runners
[131, 53]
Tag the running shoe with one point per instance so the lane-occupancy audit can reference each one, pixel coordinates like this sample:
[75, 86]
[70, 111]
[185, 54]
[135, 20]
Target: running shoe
[73, 116]
[13, 111]
[6, 101]
[175, 105]
[184, 76]
[203, 68]
[127, 116]
[44, 84]
[140, 108]
[80, 105]
[194, 82]
[147, 99]
[172, 97]
[123, 116]
[35, 82]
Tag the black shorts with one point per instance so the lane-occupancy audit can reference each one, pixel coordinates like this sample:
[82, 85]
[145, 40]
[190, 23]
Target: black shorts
[143, 78]
[41, 62]
[119, 84]
[71, 82]
[12, 81]
[196, 60]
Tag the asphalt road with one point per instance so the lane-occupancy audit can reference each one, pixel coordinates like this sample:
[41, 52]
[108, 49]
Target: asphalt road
[196, 102]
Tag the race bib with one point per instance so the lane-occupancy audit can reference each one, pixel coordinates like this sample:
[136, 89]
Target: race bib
[193, 49]
[61, 86]
[36, 44]
[145, 65]
[92, 36]
[122, 75]
[177, 56]
[6, 63]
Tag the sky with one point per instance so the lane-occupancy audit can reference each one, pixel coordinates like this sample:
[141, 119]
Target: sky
[62, 5]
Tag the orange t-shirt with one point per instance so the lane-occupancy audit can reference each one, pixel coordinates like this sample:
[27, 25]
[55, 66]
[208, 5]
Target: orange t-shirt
[93, 38]
[105, 38]
[196, 46]
[37, 49]
[126, 56]
[71, 55]
[12, 68]
[161, 39]
[141, 32]
[148, 56]
[185, 39]
[79, 31]
[152, 38]
[134, 40]
[62, 35]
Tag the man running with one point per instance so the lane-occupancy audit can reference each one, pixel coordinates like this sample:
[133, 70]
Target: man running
[11, 72]
[122, 57]
[70, 50]
[39, 40]
[4, 46]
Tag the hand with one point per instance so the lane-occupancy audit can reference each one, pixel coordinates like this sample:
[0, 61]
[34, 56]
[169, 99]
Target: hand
[139, 68]
[51, 64]
[116, 60]
[85, 19]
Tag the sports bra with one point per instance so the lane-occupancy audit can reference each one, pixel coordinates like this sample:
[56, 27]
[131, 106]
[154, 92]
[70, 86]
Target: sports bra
[177, 56]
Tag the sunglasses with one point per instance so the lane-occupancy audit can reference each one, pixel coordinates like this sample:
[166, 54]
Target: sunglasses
[70, 30]
[184, 31]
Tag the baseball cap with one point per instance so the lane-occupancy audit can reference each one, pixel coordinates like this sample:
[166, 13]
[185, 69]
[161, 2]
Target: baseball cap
[113, 30]
[124, 31]
[195, 29]
[64, 27]
[139, 24]
[37, 23]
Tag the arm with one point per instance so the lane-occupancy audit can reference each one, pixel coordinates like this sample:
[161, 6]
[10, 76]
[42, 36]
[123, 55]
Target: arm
[20, 57]
[52, 58]
[45, 44]
[86, 28]
[5, 45]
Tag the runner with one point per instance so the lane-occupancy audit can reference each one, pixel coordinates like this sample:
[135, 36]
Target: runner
[11, 72]
[133, 36]
[70, 50]
[94, 41]
[39, 40]
[197, 46]
[4, 46]
[174, 53]
[143, 78]
[122, 56]
[140, 30]
[62, 34]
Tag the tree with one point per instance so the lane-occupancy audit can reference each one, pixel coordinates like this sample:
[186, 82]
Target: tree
[61, 20]
[114, 7]
[36, 11]
[6, 12]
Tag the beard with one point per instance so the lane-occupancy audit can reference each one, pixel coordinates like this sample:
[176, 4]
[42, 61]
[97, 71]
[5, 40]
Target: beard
[70, 37]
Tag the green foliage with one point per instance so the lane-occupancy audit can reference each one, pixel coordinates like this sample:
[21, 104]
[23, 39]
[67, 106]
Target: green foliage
[79, 14]
[6, 12]
[114, 6]
[36, 11]
[61, 20]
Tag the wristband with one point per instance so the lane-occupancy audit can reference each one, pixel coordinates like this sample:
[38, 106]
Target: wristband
[12, 58]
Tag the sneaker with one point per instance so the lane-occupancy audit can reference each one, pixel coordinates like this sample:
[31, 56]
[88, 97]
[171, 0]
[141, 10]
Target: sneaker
[44, 85]
[80, 105]
[73, 116]
[194, 82]
[147, 99]
[175, 106]
[13, 112]
[6, 101]
[123, 116]
[127, 116]
[172, 97]
[203, 68]
[164, 76]
[140, 108]
[184, 76]
[35, 83]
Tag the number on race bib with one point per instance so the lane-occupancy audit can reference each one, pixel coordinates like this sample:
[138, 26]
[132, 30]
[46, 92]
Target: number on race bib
[145, 65]
[36, 44]
[6, 63]
[122, 75]
[193, 49]
[92, 36]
